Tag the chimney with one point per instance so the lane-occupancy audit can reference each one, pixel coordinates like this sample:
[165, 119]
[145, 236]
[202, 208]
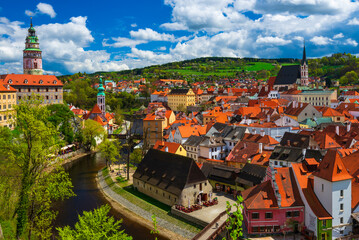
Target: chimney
[337, 130]
[260, 148]
[301, 105]
[348, 126]
[166, 149]
[262, 133]
[294, 104]
[268, 118]
[288, 142]
[304, 151]
[244, 145]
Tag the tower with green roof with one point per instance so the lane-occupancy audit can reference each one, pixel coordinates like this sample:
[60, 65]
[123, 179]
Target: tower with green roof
[32, 55]
[101, 98]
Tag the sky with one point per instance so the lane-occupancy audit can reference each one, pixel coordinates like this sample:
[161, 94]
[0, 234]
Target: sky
[113, 35]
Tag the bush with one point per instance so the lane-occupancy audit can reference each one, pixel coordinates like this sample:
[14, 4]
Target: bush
[121, 179]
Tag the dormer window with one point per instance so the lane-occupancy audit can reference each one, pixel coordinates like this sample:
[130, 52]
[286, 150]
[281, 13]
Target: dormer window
[41, 82]
[26, 81]
[55, 82]
[10, 81]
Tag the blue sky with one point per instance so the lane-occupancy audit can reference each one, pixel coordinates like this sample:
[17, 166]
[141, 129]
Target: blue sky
[113, 35]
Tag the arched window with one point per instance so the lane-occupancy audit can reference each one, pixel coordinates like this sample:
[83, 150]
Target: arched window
[41, 81]
[10, 81]
[26, 81]
[55, 82]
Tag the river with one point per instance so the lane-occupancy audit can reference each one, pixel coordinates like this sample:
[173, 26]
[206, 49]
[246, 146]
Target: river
[83, 173]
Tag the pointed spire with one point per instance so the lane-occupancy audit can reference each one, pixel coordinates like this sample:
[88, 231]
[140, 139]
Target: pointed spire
[304, 59]
[30, 21]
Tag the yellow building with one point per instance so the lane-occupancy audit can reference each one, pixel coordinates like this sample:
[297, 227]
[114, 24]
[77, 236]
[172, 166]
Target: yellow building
[155, 123]
[180, 99]
[315, 97]
[7, 103]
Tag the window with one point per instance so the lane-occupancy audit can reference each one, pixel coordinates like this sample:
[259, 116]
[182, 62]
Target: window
[341, 193]
[322, 187]
[5, 117]
[29, 90]
[341, 220]
[288, 214]
[8, 96]
[9, 106]
[19, 89]
[324, 223]
[0, 118]
[4, 96]
[4, 107]
[342, 207]
[163, 194]
[269, 215]
[194, 186]
[295, 213]
[255, 215]
[41, 82]
[169, 196]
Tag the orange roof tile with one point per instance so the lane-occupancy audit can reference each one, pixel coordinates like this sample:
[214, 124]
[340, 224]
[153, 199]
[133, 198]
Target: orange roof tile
[302, 175]
[19, 79]
[7, 88]
[287, 188]
[172, 147]
[332, 168]
[260, 196]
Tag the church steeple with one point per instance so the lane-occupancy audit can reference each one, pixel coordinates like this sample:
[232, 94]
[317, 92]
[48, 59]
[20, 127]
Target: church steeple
[101, 98]
[304, 58]
[304, 76]
[32, 55]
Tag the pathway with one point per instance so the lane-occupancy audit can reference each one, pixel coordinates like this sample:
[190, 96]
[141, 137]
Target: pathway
[139, 211]
[213, 228]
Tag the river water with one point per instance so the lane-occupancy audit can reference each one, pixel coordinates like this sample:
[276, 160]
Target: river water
[83, 173]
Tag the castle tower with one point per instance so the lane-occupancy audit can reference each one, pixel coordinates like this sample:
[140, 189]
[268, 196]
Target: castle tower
[101, 98]
[304, 81]
[32, 54]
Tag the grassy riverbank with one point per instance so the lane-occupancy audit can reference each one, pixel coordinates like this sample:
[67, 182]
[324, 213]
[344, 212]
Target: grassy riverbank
[147, 203]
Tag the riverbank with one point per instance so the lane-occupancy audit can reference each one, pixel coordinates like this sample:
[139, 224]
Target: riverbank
[167, 229]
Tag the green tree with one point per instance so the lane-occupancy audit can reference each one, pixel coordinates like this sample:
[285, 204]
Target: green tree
[154, 231]
[95, 225]
[235, 220]
[30, 151]
[110, 150]
[92, 131]
[136, 156]
[61, 116]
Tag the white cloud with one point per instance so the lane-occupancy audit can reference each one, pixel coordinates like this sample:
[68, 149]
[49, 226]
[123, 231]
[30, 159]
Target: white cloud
[272, 40]
[353, 21]
[29, 13]
[133, 25]
[174, 26]
[320, 40]
[150, 35]
[122, 42]
[339, 35]
[46, 9]
[163, 48]
[351, 42]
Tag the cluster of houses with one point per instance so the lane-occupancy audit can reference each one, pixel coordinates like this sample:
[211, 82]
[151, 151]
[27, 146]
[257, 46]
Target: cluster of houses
[290, 150]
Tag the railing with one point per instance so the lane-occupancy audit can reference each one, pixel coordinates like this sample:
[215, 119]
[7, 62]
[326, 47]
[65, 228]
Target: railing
[204, 230]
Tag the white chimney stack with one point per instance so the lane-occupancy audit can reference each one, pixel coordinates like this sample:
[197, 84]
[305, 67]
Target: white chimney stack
[262, 133]
[301, 105]
[337, 130]
[260, 147]
[166, 149]
[268, 118]
[348, 126]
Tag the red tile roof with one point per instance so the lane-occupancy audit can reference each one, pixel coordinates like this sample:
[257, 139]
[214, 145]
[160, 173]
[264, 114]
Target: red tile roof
[19, 80]
[287, 188]
[302, 175]
[260, 196]
[171, 146]
[6, 88]
[332, 168]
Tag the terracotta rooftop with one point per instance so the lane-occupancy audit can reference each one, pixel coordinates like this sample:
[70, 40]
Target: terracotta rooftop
[332, 168]
[260, 196]
[30, 80]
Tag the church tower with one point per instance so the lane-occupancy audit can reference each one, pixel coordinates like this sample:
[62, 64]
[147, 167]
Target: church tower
[32, 54]
[101, 98]
[304, 81]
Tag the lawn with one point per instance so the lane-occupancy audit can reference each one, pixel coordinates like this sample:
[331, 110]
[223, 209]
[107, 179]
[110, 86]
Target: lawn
[258, 66]
[147, 203]
[8, 228]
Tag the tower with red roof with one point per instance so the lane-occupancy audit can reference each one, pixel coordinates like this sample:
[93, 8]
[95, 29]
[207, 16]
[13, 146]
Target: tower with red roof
[333, 187]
